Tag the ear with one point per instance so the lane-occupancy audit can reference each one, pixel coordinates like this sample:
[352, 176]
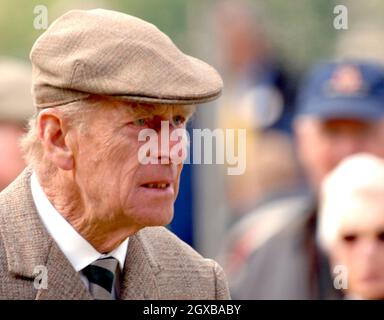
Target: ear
[53, 133]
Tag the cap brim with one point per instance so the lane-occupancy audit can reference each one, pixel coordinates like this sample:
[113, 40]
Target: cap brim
[168, 100]
[142, 99]
[345, 108]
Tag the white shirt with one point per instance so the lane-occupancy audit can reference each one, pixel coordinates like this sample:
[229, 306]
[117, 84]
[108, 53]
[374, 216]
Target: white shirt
[78, 251]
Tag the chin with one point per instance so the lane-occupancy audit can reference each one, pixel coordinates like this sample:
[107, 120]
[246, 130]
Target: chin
[372, 293]
[156, 217]
[375, 295]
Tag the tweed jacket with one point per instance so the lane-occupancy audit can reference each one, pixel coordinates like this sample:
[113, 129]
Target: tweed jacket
[158, 265]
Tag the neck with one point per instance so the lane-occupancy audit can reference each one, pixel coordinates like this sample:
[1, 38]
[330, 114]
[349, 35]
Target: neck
[103, 229]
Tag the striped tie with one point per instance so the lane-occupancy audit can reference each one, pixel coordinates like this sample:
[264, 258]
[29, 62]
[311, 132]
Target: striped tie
[103, 276]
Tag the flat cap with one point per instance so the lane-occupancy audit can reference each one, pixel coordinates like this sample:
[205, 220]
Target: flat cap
[15, 90]
[110, 53]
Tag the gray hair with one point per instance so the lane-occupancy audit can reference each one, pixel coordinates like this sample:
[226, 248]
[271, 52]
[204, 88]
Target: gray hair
[31, 144]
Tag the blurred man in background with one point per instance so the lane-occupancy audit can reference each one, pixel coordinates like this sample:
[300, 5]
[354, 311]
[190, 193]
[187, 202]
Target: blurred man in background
[340, 112]
[15, 108]
[351, 226]
[258, 97]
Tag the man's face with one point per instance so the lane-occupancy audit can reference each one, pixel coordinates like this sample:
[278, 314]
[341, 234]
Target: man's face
[109, 173]
[322, 144]
[360, 248]
[11, 159]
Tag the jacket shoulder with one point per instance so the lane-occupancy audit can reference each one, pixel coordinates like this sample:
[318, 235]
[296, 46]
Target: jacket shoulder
[161, 239]
[16, 192]
[190, 275]
[278, 268]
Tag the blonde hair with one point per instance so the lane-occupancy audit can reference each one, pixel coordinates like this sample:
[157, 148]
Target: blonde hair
[345, 191]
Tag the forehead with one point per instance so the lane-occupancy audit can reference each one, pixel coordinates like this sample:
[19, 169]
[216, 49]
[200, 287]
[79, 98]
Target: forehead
[345, 123]
[365, 214]
[320, 126]
[139, 110]
[340, 120]
[144, 109]
[106, 111]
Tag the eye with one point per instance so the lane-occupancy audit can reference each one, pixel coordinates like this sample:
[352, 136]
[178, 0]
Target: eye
[349, 238]
[140, 122]
[178, 120]
[380, 236]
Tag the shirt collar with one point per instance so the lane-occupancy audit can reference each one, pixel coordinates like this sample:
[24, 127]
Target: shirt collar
[77, 250]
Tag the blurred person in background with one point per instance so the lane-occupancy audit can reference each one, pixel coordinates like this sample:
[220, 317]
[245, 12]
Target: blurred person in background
[351, 226]
[340, 113]
[259, 84]
[15, 109]
[258, 97]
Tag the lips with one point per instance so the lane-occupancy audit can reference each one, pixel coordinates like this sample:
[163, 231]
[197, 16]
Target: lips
[158, 189]
[157, 179]
[156, 185]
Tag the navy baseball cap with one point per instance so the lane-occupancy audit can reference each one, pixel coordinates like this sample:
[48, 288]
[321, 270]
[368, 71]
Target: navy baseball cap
[347, 89]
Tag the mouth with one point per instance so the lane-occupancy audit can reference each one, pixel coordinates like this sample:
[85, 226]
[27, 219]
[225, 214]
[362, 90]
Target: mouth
[371, 278]
[158, 189]
[157, 185]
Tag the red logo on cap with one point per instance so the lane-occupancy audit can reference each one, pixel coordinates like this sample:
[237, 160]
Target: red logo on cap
[346, 79]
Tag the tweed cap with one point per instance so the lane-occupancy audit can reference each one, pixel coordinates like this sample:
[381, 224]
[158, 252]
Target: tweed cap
[110, 53]
[15, 85]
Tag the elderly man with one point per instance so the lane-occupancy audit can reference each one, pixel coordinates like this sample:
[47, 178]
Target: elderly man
[340, 113]
[83, 220]
[15, 108]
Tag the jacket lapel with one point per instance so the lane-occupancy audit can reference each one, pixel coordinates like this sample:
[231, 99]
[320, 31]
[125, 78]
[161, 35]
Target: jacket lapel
[25, 239]
[140, 271]
[64, 283]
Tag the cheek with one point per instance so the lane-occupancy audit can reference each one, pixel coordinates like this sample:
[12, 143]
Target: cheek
[344, 255]
[376, 146]
[128, 179]
[323, 152]
[313, 149]
[108, 166]
[124, 170]
[375, 141]
[317, 158]
[177, 183]
[377, 259]
[353, 259]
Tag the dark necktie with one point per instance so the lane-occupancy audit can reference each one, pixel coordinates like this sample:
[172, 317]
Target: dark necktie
[103, 276]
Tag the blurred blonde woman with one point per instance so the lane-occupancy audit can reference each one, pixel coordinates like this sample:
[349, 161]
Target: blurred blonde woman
[351, 228]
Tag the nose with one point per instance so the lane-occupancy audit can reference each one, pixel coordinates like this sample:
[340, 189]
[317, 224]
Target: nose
[171, 144]
[369, 249]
